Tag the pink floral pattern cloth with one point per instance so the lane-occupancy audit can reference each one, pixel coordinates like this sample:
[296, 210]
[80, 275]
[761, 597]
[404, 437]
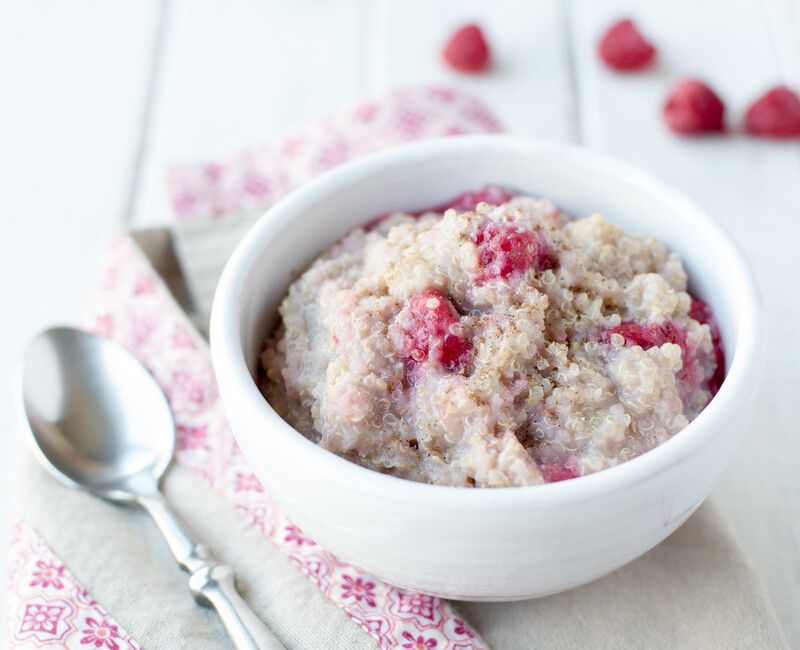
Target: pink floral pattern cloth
[254, 180]
[48, 608]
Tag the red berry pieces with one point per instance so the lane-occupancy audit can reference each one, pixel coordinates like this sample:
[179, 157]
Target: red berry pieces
[505, 250]
[693, 108]
[702, 313]
[776, 114]
[656, 335]
[431, 329]
[552, 473]
[647, 336]
[466, 50]
[623, 47]
[469, 200]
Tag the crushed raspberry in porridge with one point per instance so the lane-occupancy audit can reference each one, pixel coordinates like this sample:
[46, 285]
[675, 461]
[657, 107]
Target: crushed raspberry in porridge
[492, 341]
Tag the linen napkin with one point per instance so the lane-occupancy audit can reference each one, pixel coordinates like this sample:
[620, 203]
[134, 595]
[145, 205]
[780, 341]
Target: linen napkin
[694, 590]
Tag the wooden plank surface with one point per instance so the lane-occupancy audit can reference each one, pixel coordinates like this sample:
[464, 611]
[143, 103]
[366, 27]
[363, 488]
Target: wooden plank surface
[236, 74]
[213, 99]
[73, 90]
[529, 85]
[753, 188]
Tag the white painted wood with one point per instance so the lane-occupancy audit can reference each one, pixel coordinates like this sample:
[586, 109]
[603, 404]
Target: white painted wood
[73, 77]
[753, 188]
[529, 86]
[783, 18]
[237, 74]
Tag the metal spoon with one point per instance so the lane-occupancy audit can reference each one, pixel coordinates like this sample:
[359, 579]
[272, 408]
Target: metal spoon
[99, 422]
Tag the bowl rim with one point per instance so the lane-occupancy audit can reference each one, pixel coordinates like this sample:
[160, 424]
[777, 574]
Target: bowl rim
[231, 368]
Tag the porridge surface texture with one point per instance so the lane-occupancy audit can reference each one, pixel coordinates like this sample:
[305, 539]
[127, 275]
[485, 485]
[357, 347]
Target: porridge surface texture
[492, 345]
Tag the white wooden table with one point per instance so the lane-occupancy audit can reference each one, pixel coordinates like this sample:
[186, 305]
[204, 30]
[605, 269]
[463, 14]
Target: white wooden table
[97, 98]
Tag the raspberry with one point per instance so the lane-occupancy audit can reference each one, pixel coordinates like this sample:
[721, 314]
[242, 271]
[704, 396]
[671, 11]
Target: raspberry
[622, 47]
[653, 336]
[552, 473]
[693, 108]
[504, 250]
[776, 114]
[719, 372]
[431, 329]
[656, 335]
[702, 313]
[462, 203]
[469, 200]
[466, 50]
[647, 336]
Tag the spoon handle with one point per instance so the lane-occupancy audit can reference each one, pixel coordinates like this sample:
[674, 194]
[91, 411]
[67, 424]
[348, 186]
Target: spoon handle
[211, 583]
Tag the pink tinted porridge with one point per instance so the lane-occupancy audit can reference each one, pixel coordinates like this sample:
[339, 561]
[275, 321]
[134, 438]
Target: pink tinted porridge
[492, 341]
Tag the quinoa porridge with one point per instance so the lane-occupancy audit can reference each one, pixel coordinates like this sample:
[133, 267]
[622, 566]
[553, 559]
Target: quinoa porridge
[493, 341]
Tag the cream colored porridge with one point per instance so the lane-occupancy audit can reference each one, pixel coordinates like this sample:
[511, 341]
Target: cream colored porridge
[492, 345]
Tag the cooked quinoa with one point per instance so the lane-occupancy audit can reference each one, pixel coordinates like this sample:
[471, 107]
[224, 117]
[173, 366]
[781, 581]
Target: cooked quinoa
[492, 345]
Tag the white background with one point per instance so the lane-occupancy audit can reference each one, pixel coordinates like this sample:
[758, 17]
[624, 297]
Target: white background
[97, 98]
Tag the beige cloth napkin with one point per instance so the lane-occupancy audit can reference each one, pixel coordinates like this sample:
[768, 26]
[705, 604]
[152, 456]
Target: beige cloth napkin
[695, 590]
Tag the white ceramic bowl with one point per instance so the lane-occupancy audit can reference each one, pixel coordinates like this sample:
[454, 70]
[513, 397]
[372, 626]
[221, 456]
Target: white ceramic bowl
[482, 544]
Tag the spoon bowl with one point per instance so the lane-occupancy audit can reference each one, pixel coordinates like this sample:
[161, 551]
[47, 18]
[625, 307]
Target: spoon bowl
[99, 422]
[98, 418]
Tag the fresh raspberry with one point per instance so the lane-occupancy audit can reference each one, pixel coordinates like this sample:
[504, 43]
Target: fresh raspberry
[693, 108]
[702, 313]
[466, 50]
[504, 250]
[552, 473]
[431, 329]
[776, 114]
[623, 47]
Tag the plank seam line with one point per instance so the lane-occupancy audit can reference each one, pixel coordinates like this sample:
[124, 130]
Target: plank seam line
[567, 14]
[158, 49]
